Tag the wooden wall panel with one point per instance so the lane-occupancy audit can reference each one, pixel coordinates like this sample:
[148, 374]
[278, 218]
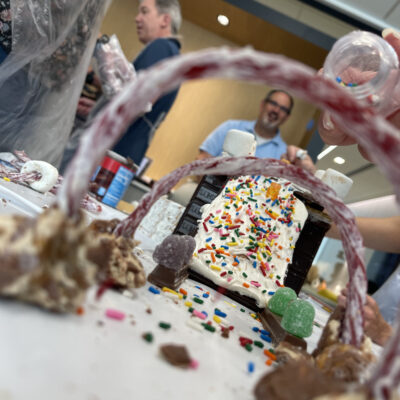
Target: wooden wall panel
[200, 105]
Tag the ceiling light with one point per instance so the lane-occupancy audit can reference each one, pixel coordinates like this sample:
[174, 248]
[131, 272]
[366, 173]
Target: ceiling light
[223, 20]
[325, 152]
[339, 160]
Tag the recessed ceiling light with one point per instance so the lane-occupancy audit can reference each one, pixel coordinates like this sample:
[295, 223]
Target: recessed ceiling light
[339, 160]
[223, 20]
[325, 152]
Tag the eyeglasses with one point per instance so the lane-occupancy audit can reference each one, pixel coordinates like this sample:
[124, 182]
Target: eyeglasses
[275, 104]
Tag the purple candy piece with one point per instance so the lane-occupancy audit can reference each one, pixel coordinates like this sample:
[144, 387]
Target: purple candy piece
[175, 251]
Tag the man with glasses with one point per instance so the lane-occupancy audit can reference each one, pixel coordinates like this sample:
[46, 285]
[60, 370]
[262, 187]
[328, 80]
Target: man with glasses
[275, 109]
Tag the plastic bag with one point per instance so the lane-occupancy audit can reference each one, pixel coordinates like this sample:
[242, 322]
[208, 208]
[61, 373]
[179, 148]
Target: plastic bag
[42, 77]
[113, 68]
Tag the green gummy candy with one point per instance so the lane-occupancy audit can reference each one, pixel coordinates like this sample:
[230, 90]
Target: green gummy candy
[280, 300]
[298, 318]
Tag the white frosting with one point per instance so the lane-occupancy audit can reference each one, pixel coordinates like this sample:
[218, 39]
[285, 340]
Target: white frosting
[231, 263]
[239, 143]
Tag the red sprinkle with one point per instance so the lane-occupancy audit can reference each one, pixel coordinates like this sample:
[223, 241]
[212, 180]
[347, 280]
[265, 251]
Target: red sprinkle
[205, 227]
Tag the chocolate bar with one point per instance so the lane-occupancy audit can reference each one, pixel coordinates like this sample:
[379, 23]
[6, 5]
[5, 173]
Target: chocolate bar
[172, 278]
[307, 245]
[207, 190]
[272, 323]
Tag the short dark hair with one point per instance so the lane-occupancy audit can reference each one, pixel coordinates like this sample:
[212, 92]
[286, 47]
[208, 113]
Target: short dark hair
[273, 91]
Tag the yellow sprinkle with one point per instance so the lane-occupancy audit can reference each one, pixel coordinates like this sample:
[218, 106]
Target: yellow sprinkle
[188, 303]
[232, 305]
[268, 252]
[217, 319]
[257, 194]
[215, 268]
[257, 212]
[7, 179]
[271, 276]
[232, 244]
[253, 315]
[260, 244]
[259, 257]
[291, 246]
[241, 241]
[166, 289]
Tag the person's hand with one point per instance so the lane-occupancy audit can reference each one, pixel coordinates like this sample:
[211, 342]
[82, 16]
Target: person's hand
[327, 129]
[374, 324]
[85, 105]
[299, 158]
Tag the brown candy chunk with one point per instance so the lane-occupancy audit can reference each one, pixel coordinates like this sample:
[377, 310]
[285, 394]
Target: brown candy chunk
[287, 352]
[176, 355]
[344, 362]
[296, 380]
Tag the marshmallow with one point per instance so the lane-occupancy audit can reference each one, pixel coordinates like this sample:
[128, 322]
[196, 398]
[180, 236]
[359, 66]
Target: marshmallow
[238, 143]
[301, 154]
[339, 182]
[319, 173]
[48, 172]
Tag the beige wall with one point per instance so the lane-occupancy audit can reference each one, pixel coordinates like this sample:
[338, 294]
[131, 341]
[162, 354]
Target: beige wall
[200, 105]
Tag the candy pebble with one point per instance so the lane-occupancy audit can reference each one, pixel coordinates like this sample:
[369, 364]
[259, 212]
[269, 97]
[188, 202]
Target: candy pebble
[278, 303]
[298, 318]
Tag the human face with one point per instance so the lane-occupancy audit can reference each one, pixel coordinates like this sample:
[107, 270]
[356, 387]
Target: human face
[149, 22]
[275, 111]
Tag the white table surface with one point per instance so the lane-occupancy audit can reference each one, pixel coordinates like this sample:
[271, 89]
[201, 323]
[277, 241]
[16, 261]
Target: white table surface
[91, 357]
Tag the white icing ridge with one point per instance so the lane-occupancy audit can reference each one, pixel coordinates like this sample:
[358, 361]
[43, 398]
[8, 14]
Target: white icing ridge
[261, 230]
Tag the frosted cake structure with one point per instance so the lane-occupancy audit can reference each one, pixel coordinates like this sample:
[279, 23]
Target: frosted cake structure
[247, 235]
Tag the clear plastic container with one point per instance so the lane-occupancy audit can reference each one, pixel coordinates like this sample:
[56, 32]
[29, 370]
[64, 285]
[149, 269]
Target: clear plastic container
[367, 65]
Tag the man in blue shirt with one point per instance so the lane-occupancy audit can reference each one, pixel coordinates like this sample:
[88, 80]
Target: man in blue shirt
[275, 109]
[157, 25]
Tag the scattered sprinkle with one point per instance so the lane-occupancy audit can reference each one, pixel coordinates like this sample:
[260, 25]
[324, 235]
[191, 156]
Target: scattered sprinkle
[219, 313]
[250, 367]
[266, 338]
[115, 314]
[154, 290]
[199, 314]
[164, 325]
[148, 337]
